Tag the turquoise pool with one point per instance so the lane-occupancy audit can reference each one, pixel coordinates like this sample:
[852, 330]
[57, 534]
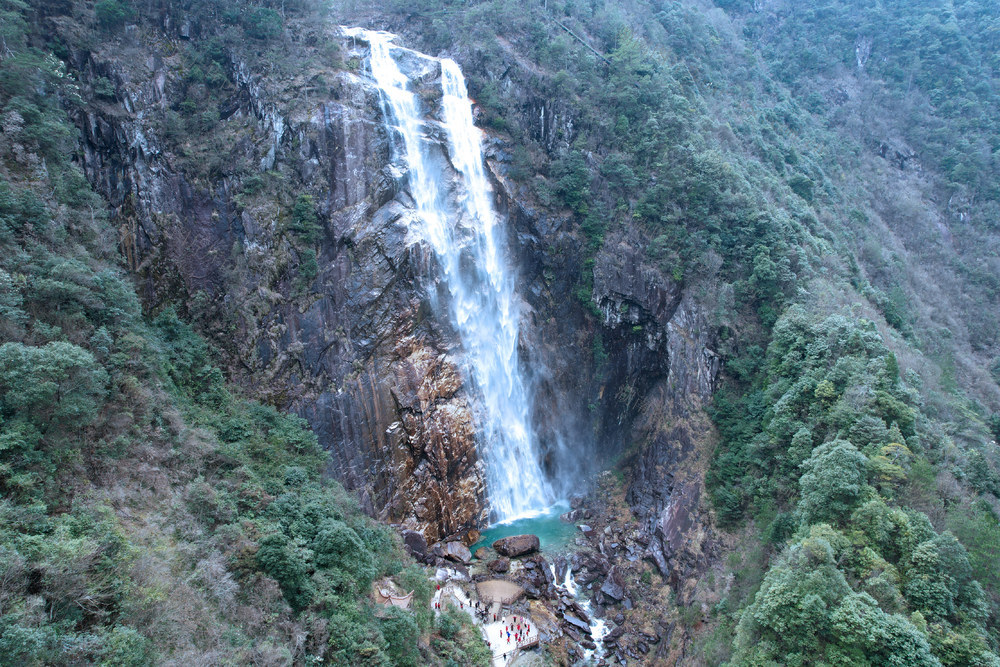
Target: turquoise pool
[553, 534]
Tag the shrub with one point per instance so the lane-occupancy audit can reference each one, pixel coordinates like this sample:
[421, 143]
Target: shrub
[833, 482]
[278, 558]
[262, 23]
[112, 14]
[305, 222]
[59, 386]
[400, 631]
[125, 647]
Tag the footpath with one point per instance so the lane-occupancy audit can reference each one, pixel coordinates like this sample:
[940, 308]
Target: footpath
[506, 637]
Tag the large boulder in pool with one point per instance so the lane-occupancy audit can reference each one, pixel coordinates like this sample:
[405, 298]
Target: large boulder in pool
[516, 545]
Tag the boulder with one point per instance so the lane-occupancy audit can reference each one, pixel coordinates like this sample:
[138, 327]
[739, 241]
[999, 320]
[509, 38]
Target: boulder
[579, 623]
[500, 565]
[415, 544]
[571, 517]
[482, 553]
[457, 552]
[517, 545]
[561, 566]
[614, 585]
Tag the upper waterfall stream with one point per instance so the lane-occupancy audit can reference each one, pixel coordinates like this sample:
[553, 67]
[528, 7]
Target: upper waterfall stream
[460, 223]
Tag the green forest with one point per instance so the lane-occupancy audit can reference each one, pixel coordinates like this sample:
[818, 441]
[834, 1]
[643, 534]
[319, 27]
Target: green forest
[822, 177]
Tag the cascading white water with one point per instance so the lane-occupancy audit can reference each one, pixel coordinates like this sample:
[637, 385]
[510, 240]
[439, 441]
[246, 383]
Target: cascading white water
[482, 301]
[598, 626]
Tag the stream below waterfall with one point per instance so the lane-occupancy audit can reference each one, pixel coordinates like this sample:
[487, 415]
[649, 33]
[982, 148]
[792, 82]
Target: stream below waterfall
[598, 626]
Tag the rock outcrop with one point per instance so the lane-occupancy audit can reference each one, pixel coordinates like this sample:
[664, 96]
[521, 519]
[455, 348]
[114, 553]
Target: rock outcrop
[665, 367]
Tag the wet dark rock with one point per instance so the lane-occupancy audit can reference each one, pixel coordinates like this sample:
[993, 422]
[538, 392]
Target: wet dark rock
[560, 567]
[544, 569]
[500, 565]
[516, 545]
[579, 611]
[482, 553]
[577, 622]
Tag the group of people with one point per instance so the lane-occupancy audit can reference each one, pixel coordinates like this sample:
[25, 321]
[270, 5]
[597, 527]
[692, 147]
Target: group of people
[518, 630]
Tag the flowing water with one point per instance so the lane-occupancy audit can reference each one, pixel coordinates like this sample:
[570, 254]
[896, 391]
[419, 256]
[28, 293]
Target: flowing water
[598, 626]
[461, 224]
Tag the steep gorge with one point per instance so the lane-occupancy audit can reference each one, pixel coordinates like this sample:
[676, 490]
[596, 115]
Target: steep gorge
[768, 315]
[358, 351]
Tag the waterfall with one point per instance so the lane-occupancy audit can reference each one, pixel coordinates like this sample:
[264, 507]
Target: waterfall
[461, 224]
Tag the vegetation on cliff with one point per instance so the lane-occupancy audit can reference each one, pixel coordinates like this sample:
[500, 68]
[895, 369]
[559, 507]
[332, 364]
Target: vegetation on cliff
[787, 161]
[149, 513]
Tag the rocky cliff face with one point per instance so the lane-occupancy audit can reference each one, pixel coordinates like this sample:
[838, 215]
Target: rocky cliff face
[643, 404]
[664, 371]
[357, 348]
